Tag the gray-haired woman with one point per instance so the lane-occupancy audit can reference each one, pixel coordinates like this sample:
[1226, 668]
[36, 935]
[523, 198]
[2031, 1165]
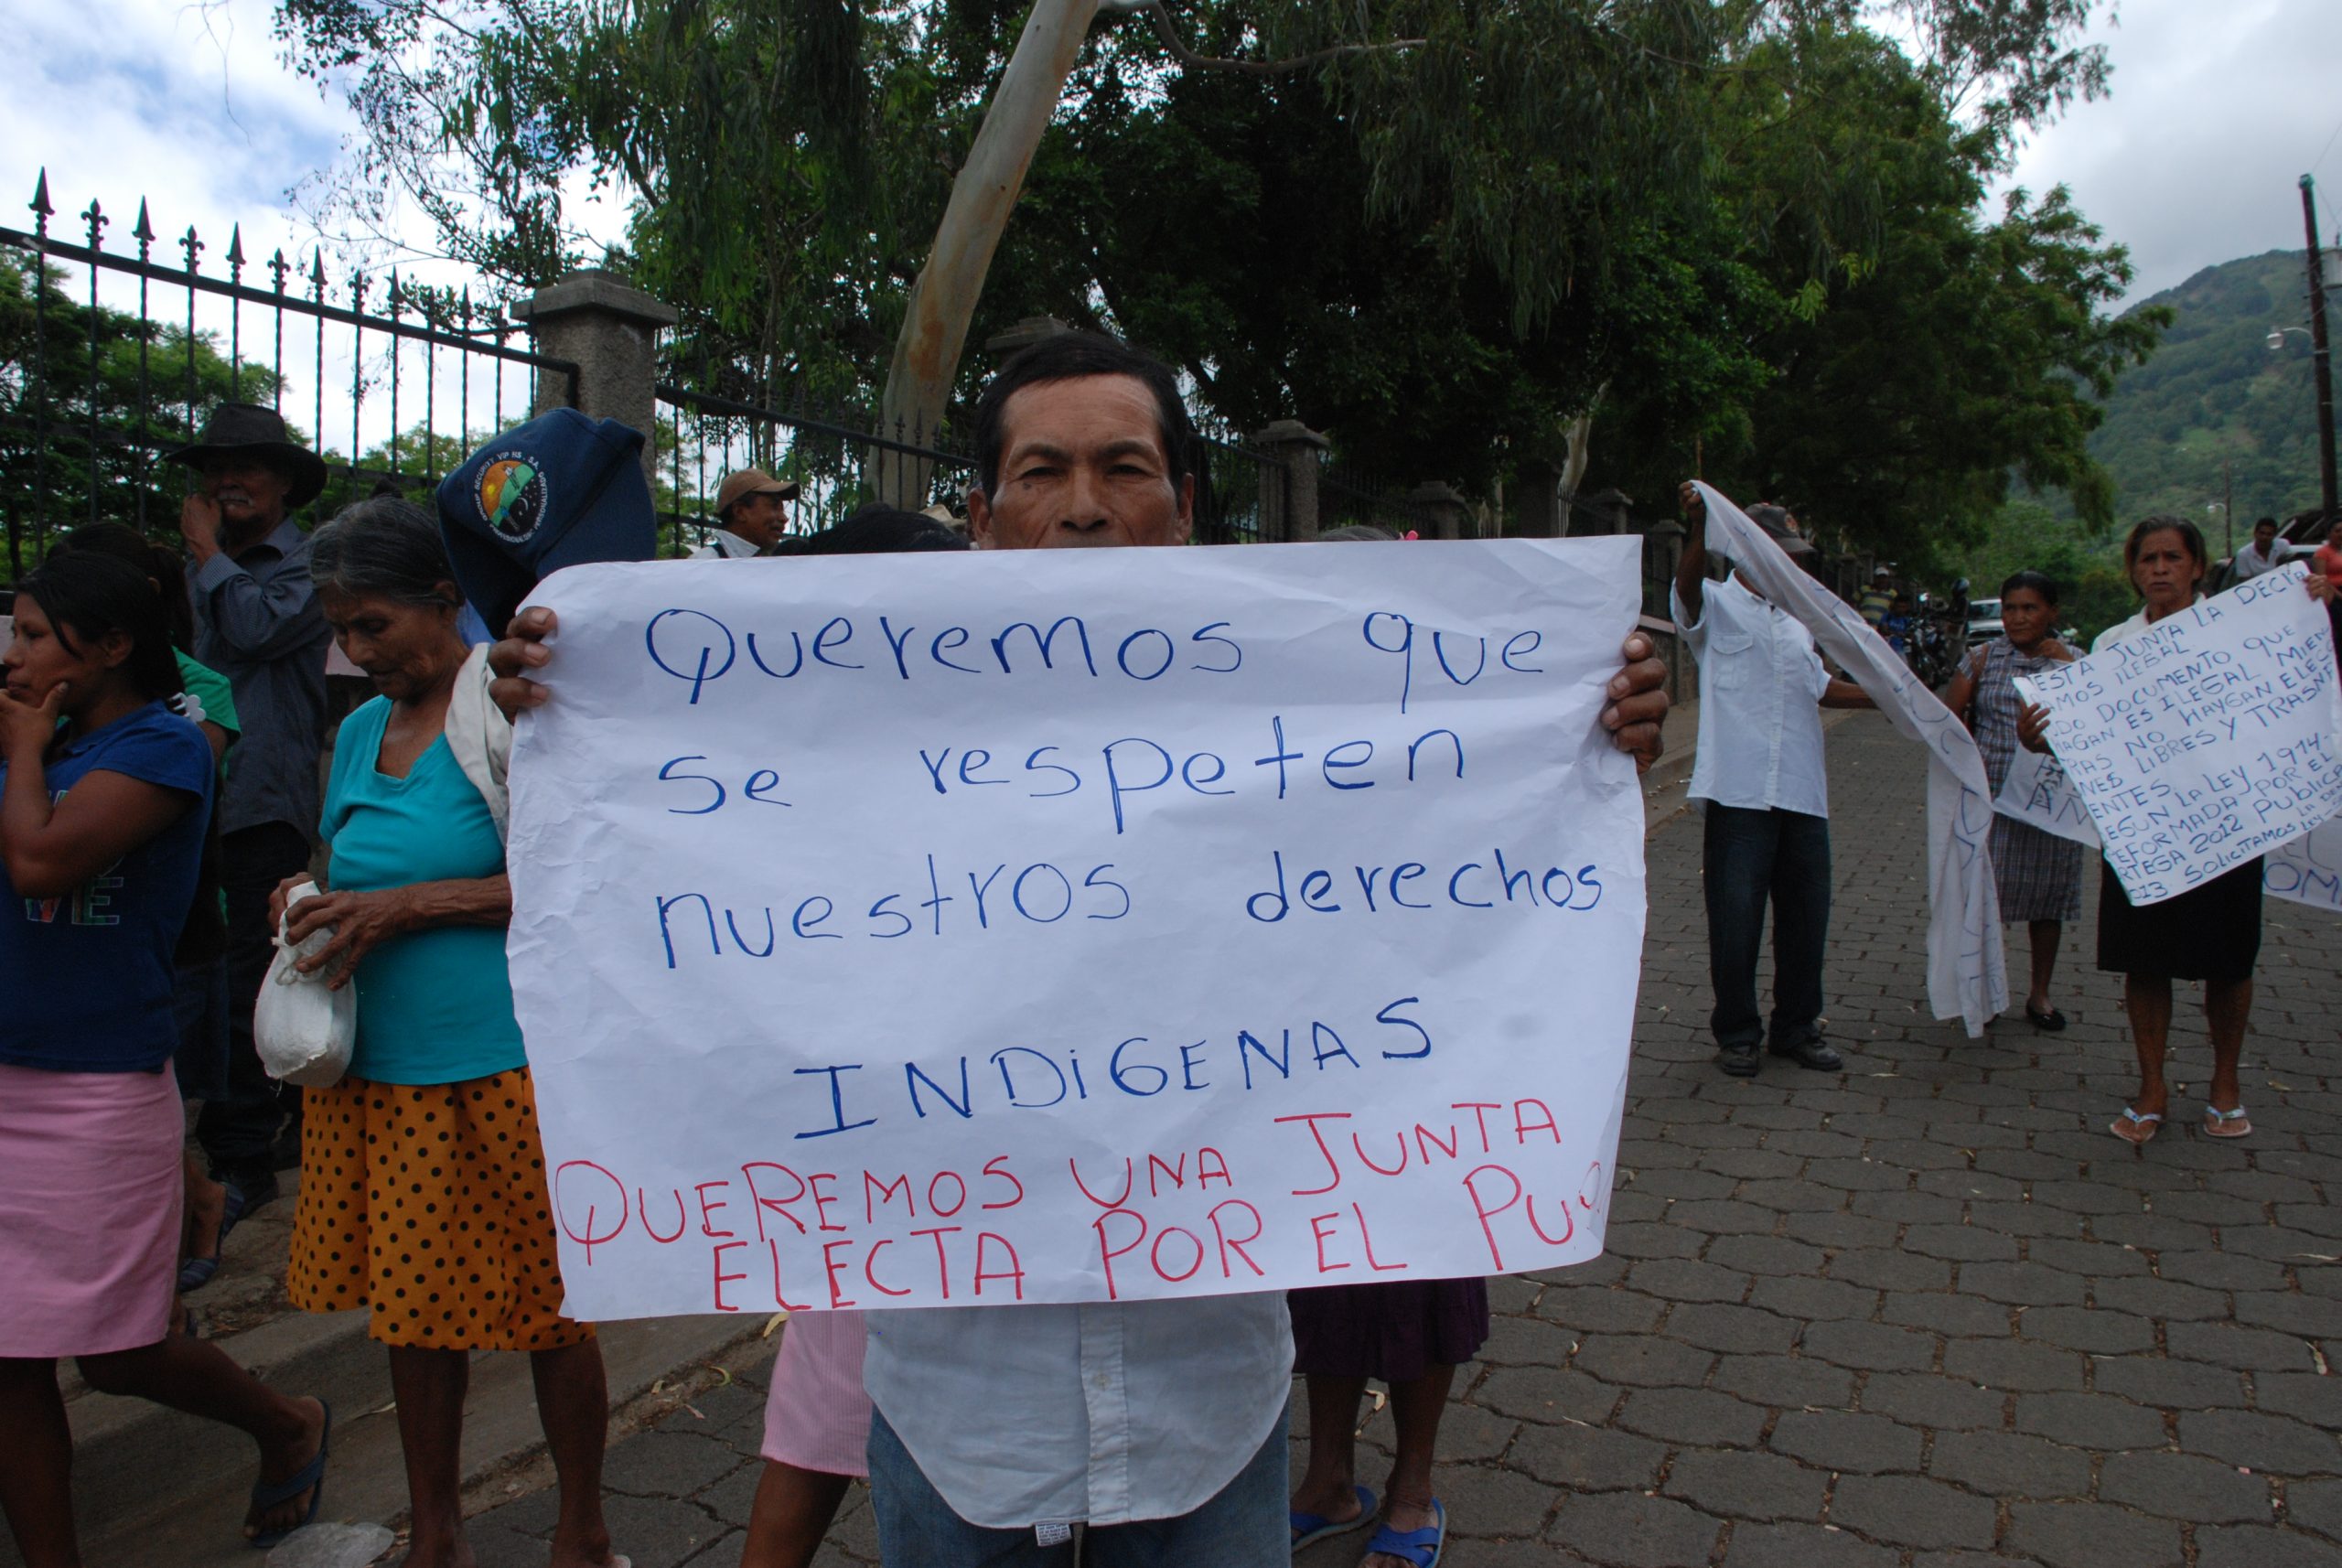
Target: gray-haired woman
[423, 1186]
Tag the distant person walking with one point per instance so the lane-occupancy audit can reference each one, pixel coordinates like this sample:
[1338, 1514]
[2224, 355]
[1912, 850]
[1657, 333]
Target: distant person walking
[257, 622]
[2212, 931]
[2039, 874]
[1759, 771]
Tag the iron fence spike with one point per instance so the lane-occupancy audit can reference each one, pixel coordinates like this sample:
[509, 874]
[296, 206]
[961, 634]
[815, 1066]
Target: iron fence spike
[279, 266]
[39, 203]
[192, 244]
[144, 232]
[236, 247]
[96, 218]
[318, 271]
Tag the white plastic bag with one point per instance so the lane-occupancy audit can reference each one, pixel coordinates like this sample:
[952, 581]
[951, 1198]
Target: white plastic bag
[303, 1030]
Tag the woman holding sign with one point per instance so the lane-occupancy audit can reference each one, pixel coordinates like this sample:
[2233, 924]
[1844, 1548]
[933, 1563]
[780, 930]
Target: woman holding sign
[2038, 875]
[423, 1187]
[2211, 932]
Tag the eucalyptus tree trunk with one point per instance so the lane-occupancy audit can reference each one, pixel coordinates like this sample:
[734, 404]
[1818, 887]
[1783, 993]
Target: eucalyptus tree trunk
[944, 298]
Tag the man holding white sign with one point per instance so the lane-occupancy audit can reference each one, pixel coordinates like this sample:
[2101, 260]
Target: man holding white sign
[1761, 780]
[1156, 1416]
[2199, 736]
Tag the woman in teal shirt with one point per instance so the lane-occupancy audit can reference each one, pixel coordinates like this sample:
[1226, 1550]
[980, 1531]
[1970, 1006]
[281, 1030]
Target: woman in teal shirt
[422, 1185]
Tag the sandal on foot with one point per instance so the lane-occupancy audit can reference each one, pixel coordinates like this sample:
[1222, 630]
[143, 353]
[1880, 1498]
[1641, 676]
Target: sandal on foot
[2220, 1123]
[2049, 1022]
[310, 1478]
[2135, 1128]
[196, 1272]
[1311, 1527]
[1420, 1547]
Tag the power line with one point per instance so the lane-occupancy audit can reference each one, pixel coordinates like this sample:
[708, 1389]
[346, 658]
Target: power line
[2330, 147]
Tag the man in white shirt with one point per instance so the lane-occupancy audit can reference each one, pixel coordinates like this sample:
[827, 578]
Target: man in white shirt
[1759, 773]
[751, 515]
[2261, 556]
[1158, 1424]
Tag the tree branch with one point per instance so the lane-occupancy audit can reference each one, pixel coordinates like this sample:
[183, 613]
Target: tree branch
[1160, 14]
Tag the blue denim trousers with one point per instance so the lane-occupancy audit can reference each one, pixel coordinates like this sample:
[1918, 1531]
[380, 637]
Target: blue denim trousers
[1243, 1525]
[1751, 857]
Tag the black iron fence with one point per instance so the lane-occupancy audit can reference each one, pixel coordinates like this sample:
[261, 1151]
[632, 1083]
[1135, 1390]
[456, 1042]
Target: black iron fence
[1236, 488]
[99, 377]
[1346, 496]
[840, 455]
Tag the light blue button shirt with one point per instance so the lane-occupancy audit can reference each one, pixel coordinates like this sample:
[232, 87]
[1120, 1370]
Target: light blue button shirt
[1105, 1414]
[1761, 682]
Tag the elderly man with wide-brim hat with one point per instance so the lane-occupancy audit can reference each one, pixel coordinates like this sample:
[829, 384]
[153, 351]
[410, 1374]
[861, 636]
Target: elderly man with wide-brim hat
[751, 516]
[258, 623]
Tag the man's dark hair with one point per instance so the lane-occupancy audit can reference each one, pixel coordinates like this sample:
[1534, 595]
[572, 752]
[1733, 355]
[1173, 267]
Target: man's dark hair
[1067, 356]
[2261, 522]
[2041, 583]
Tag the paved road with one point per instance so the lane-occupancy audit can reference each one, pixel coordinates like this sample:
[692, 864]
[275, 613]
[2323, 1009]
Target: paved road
[1924, 1314]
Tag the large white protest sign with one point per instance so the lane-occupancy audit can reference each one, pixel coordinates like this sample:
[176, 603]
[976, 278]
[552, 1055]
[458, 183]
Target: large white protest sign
[2037, 793]
[2206, 740]
[1061, 926]
[1967, 971]
[2307, 870]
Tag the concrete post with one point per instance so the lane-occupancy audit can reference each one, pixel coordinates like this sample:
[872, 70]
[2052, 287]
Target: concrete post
[609, 330]
[1540, 498]
[1289, 510]
[1451, 518]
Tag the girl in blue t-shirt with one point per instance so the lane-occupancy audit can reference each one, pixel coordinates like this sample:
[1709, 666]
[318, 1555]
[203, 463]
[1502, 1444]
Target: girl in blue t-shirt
[104, 798]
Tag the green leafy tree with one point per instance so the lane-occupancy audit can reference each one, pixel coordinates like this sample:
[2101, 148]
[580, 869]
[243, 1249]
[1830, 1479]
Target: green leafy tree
[78, 446]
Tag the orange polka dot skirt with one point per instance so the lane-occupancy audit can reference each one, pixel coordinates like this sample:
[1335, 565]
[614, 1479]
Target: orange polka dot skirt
[426, 1204]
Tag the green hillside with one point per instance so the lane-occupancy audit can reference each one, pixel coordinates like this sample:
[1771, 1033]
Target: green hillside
[2215, 391]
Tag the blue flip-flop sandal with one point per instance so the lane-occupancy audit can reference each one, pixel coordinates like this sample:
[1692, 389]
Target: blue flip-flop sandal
[310, 1477]
[1308, 1529]
[1420, 1547]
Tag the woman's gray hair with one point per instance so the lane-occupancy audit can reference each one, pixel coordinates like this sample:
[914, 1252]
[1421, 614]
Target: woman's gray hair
[1373, 531]
[382, 548]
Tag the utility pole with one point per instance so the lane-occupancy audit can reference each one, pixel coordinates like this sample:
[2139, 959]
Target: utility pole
[2318, 364]
[2227, 504]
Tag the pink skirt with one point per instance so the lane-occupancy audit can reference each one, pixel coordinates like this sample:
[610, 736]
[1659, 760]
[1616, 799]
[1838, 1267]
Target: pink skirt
[816, 1415]
[90, 1196]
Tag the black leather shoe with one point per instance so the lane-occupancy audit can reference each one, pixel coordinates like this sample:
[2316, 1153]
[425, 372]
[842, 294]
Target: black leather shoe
[1737, 1061]
[1811, 1054]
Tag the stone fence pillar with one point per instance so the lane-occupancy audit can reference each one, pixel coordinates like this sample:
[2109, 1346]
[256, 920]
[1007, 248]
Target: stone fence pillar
[1450, 517]
[1289, 509]
[609, 330]
[1541, 500]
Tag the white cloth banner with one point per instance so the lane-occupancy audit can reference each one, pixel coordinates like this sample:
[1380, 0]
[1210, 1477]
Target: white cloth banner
[2308, 870]
[1060, 926]
[2206, 740]
[2037, 793]
[1967, 971]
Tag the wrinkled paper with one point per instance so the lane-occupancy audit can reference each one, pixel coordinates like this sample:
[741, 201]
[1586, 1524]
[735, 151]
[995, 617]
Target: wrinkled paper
[2207, 740]
[1064, 926]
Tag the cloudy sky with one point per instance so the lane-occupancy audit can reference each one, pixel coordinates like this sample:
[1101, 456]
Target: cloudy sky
[2218, 106]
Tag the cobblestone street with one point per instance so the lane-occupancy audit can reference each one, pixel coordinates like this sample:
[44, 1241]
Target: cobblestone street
[1923, 1314]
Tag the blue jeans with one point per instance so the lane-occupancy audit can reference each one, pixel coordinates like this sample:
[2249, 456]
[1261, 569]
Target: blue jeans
[1752, 857]
[1243, 1526]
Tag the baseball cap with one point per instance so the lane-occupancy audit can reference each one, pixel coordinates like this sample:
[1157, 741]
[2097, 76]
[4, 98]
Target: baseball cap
[751, 482]
[557, 491]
